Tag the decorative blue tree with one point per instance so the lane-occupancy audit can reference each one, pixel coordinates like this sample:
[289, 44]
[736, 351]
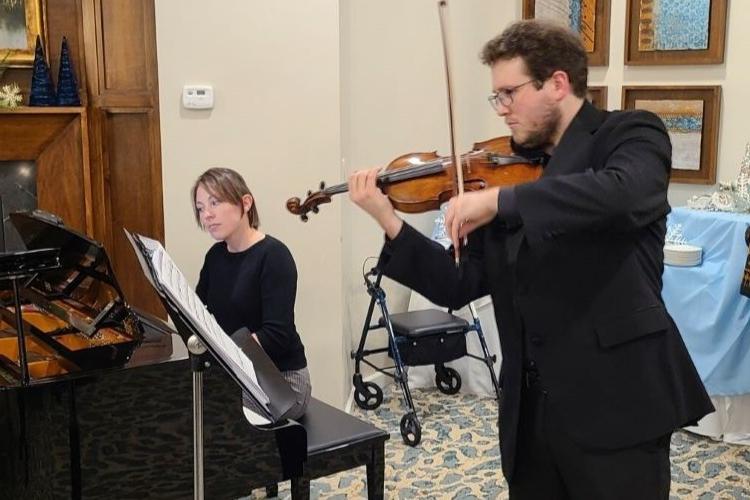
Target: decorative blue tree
[67, 85]
[42, 90]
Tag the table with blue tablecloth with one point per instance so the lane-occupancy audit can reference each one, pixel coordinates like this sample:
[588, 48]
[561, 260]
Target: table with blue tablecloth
[712, 315]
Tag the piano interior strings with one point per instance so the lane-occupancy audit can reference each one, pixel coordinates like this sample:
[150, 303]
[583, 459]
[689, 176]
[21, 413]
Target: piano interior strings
[74, 318]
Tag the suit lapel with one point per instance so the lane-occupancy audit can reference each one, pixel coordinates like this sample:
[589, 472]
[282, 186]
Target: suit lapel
[572, 153]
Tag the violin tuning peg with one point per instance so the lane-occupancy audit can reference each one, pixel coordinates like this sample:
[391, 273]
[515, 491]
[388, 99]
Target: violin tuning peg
[322, 185]
[315, 210]
[309, 192]
[303, 217]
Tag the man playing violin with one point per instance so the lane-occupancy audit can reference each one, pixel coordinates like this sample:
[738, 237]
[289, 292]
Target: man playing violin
[595, 374]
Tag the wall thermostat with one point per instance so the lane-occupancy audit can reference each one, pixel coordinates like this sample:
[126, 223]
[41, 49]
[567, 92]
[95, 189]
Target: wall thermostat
[198, 96]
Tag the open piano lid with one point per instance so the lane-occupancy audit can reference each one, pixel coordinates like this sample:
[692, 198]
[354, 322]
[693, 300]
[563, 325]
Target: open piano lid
[86, 320]
[81, 259]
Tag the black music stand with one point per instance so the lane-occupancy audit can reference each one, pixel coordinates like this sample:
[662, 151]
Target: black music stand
[201, 346]
[15, 266]
[198, 361]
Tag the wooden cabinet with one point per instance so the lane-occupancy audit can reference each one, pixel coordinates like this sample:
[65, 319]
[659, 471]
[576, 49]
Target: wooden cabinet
[119, 39]
[99, 166]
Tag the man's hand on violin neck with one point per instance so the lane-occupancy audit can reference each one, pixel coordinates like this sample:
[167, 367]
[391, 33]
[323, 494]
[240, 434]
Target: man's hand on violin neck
[468, 211]
[364, 192]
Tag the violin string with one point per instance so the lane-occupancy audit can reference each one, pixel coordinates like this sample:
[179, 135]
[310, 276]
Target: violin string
[395, 176]
[413, 172]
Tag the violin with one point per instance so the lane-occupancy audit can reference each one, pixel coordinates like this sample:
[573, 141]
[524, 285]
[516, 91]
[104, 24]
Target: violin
[420, 182]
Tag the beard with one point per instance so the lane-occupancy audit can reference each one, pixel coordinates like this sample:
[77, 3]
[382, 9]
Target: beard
[543, 136]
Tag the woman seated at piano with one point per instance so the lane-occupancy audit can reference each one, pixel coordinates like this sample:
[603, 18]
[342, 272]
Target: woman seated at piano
[249, 278]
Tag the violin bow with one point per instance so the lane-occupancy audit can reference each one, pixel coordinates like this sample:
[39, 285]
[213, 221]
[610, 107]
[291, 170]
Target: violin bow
[458, 179]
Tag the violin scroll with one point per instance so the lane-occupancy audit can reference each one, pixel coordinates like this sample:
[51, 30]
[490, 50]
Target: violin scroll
[311, 203]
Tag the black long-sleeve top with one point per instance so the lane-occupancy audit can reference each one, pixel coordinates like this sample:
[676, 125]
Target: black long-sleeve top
[255, 288]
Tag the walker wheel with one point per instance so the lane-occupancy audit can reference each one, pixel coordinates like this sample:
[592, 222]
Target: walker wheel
[411, 430]
[447, 380]
[368, 395]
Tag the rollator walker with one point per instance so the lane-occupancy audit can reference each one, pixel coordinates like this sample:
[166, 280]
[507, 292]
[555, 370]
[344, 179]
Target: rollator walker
[415, 338]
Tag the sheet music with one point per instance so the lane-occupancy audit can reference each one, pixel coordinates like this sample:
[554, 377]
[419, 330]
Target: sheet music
[176, 286]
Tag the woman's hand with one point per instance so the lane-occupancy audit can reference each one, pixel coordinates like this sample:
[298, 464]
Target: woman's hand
[365, 193]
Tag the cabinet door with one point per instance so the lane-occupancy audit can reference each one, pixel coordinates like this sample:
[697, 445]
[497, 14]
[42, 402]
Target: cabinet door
[120, 47]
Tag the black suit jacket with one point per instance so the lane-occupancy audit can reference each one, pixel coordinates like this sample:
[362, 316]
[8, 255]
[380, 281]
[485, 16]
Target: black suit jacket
[581, 276]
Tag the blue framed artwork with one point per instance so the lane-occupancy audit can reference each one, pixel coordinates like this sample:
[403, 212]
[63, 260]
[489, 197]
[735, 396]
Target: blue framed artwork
[691, 116]
[675, 32]
[590, 18]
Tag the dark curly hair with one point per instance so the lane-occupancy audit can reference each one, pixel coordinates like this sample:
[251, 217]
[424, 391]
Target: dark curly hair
[545, 47]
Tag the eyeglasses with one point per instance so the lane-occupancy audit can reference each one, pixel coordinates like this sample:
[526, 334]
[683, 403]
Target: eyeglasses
[505, 96]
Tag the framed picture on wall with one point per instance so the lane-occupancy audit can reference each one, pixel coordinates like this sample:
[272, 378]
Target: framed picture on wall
[20, 23]
[691, 115]
[590, 18]
[597, 95]
[675, 32]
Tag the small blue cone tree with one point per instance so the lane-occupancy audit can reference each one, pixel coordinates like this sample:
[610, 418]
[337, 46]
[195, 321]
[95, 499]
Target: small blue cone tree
[42, 92]
[67, 85]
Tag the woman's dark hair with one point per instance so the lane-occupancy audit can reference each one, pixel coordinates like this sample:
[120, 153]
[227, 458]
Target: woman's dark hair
[225, 184]
[545, 47]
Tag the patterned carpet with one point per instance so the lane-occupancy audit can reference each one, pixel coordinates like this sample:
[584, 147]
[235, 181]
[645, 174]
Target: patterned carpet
[458, 457]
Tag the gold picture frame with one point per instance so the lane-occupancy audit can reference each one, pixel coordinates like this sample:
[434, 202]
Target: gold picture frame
[597, 42]
[691, 115]
[641, 37]
[32, 24]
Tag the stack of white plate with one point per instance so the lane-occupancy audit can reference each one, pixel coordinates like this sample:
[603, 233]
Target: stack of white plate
[682, 255]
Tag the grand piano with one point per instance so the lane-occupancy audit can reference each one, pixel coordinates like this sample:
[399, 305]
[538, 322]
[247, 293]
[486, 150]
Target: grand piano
[106, 411]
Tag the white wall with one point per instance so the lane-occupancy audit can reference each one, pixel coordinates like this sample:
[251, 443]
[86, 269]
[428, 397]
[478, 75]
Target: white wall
[311, 90]
[275, 70]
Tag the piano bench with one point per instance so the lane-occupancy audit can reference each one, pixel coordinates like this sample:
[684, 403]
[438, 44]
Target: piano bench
[336, 442]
